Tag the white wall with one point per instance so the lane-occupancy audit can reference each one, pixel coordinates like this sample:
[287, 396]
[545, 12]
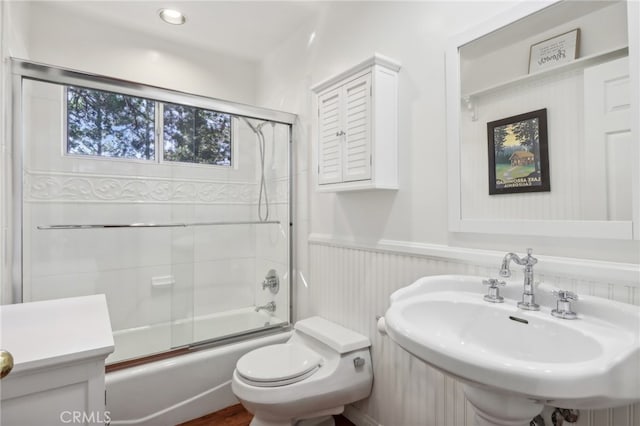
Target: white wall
[353, 249]
[414, 34]
[60, 36]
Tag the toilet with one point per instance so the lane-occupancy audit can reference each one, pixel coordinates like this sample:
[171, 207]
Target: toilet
[322, 367]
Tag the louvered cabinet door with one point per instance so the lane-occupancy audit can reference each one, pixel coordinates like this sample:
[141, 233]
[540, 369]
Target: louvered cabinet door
[357, 130]
[330, 137]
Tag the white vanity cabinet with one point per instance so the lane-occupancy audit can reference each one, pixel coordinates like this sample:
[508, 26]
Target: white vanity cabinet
[59, 349]
[357, 127]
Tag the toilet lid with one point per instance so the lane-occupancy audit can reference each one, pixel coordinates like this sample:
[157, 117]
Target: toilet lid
[277, 363]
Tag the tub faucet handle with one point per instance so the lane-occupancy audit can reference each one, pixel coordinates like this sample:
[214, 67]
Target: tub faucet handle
[271, 281]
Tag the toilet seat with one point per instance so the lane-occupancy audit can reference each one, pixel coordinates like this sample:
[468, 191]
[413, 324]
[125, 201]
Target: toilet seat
[278, 365]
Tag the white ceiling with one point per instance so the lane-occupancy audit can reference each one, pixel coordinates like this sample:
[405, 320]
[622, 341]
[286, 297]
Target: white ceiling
[248, 29]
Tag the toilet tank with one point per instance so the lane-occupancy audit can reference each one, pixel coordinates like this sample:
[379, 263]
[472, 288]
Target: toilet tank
[337, 337]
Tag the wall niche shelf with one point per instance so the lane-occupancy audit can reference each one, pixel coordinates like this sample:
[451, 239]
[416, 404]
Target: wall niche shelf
[579, 63]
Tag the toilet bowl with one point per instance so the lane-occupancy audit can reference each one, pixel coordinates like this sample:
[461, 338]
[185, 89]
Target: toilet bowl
[322, 367]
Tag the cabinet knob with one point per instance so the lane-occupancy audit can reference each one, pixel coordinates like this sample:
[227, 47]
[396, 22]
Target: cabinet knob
[340, 133]
[6, 363]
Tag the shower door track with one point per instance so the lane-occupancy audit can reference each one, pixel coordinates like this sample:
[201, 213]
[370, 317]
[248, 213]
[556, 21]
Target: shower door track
[154, 225]
[198, 346]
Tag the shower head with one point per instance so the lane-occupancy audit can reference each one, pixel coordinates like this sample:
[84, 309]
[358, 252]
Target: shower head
[256, 129]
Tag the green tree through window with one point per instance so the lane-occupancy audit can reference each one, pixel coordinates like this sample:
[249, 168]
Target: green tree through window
[109, 124]
[196, 135]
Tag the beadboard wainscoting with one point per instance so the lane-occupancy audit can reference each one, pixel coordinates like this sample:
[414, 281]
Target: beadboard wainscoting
[350, 283]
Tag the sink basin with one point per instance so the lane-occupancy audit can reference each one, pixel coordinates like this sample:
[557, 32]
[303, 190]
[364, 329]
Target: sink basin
[590, 362]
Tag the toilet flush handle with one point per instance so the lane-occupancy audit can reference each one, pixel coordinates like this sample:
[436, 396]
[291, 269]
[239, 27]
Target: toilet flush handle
[358, 362]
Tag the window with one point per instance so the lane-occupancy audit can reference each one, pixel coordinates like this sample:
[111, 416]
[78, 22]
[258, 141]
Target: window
[107, 124]
[195, 135]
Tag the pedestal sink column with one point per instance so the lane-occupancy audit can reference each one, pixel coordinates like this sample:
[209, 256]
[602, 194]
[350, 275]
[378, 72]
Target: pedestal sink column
[501, 409]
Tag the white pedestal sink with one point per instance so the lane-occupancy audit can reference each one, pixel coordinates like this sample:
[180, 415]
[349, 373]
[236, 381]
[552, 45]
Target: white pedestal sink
[514, 362]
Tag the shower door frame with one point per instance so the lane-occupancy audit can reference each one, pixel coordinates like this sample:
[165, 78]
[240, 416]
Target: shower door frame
[22, 69]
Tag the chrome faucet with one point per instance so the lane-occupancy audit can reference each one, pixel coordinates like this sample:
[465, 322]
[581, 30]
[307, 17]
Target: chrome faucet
[269, 307]
[528, 298]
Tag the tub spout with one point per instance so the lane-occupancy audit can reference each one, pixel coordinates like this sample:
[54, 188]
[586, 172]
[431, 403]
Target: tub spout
[269, 307]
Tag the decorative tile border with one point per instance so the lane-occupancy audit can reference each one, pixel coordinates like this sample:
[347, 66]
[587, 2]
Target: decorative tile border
[50, 187]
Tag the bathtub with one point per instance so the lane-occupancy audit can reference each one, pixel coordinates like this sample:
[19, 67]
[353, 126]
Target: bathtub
[184, 387]
[156, 338]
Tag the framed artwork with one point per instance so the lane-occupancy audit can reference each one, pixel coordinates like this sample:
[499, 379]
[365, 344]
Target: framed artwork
[554, 51]
[518, 154]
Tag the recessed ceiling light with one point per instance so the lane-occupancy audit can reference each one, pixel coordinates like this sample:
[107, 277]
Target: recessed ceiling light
[171, 16]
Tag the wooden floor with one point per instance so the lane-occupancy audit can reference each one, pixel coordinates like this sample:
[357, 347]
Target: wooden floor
[236, 415]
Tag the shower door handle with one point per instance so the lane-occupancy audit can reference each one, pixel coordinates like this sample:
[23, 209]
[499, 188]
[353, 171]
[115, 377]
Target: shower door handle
[6, 363]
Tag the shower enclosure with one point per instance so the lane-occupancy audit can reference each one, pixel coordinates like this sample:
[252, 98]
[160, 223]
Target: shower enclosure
[175, 206]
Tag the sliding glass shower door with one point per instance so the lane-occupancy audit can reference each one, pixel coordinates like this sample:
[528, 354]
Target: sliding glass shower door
[176, 213]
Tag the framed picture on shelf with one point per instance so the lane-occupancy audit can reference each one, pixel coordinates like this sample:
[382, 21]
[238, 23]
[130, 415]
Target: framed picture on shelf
[518, 154]
[557, 50]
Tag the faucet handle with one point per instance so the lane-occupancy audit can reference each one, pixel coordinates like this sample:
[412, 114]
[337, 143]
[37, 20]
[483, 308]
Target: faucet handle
[563, 305]
[493, 295]
[530, 260]
[492, 282]
[565, 295]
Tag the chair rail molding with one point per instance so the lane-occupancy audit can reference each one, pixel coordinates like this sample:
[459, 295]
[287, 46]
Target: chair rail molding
[627, 273]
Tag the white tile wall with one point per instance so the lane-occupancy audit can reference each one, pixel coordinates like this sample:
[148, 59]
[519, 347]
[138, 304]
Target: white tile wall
[214, 268]
[221, 285]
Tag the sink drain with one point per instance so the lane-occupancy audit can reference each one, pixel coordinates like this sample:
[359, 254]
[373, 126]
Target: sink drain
[522, 320]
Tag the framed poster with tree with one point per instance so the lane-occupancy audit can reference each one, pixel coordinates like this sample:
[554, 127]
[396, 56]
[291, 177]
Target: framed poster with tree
[518, 154]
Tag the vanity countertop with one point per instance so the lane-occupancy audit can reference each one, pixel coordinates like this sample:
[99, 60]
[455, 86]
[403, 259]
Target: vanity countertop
[54, 332]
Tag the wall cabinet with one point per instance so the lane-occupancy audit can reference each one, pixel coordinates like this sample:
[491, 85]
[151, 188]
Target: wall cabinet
[357, 127]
